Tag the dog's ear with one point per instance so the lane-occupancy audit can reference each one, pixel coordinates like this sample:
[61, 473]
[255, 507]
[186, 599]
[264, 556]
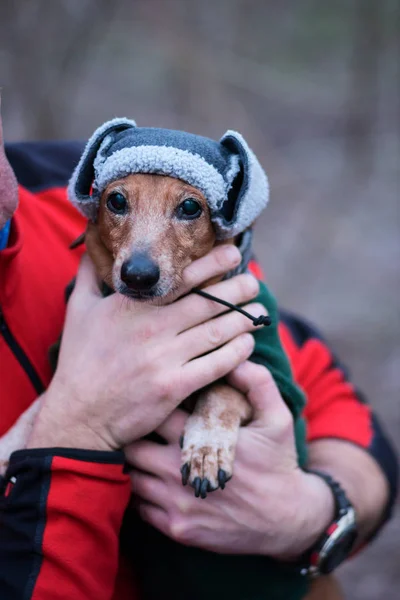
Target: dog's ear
[94, 154]
[249, 191]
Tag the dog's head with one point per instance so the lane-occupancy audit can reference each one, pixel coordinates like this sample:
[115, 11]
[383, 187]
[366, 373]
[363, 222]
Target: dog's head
[157, 199]
[148, 229]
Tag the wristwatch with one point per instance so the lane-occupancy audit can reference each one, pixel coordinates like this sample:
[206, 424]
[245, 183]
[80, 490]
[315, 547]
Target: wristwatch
[337, 542]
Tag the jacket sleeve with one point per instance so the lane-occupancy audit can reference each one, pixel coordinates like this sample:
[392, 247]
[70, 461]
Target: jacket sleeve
[335, 408]
[60, 516]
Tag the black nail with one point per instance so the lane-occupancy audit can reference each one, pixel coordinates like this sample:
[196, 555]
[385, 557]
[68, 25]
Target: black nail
[185, 470]
[222, 478]
[181, 442]
[197, 485]
[205, 486]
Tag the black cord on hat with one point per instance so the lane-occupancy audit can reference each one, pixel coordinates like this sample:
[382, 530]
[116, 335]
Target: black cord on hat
[261, 320]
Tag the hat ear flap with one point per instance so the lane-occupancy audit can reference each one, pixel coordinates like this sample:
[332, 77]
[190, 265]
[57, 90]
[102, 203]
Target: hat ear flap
[248, 192]
[82, 178]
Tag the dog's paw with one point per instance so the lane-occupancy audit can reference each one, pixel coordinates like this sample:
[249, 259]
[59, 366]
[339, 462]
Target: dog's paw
[207, 456]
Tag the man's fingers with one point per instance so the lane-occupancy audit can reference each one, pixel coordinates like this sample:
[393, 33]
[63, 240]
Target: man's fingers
[86, 279]
[216, 332]
[205, 370]
[171, 429]
[150, 457]
[194, 309]
[248, 376]
[147, 487]
[156, 516]
[217, 262]
[140, 454]
[257, 383]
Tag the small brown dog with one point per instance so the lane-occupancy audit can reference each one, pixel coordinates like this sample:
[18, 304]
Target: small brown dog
[149, 228]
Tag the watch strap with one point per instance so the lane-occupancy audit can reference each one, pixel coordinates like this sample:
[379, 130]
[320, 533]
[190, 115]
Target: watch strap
[314, 561]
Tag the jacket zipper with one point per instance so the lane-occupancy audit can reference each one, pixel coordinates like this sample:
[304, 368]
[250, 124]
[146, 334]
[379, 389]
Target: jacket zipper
[20, 355]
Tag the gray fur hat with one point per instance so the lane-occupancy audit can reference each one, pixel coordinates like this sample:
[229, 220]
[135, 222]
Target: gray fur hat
[226, 172]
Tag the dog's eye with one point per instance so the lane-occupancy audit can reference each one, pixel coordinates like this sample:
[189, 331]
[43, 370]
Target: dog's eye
[117, 203]
[189, 209]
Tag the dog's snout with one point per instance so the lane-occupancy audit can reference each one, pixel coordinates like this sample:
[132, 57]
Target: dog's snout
[140, 273]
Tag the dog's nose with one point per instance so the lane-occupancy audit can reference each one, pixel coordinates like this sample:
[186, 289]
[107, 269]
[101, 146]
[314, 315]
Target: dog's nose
[140, 273]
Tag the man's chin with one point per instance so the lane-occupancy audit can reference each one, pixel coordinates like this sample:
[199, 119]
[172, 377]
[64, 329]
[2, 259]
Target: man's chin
[8, 194]
[8, 186]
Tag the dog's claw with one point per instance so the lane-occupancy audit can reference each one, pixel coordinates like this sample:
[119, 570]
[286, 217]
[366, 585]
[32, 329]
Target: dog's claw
[222, 478]
[185, 470]
[205, 487]
[181, 442]
[197, 486]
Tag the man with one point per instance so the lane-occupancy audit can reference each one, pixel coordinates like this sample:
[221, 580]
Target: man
[272, 508]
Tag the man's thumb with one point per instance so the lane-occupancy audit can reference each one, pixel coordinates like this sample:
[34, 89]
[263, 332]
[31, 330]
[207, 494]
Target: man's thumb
[257, 383]
[86, 279]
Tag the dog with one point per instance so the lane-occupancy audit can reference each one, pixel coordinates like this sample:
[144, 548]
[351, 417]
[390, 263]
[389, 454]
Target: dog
[149, 228]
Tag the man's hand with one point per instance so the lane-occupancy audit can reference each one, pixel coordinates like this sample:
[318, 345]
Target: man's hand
[125, 366]
[8, 184]
[270, 507]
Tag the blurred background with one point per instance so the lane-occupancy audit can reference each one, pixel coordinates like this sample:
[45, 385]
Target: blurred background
[314, 88]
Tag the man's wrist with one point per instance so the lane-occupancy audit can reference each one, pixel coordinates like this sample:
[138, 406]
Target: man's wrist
[315, 510]
[55, 426]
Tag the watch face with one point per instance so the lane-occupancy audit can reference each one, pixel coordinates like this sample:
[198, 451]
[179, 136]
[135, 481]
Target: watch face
[339, 551]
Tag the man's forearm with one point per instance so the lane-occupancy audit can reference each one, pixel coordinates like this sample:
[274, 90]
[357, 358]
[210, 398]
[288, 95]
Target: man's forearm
[16, 438]
[360, 476]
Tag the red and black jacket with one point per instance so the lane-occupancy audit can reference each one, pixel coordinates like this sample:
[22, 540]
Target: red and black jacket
[49, 540]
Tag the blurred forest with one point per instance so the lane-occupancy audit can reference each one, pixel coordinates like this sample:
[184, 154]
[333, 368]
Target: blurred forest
[315, 89]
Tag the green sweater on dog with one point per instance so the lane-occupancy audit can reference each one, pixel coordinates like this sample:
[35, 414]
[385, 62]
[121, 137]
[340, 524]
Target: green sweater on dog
[167, 569]
[269, 352]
